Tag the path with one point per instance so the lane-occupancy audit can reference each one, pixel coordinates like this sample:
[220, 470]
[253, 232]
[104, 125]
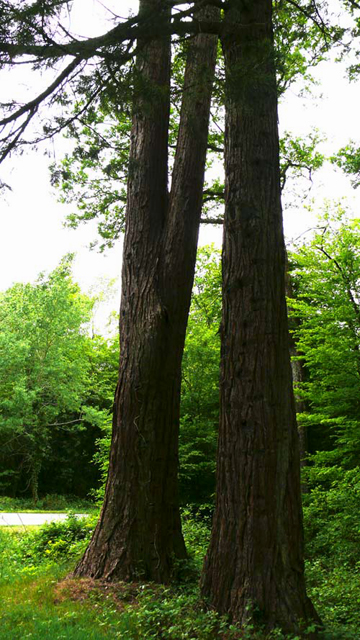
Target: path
[32, 519]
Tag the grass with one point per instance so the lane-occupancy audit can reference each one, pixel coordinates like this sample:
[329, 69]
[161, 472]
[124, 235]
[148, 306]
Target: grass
[49, 503]
[31, 609]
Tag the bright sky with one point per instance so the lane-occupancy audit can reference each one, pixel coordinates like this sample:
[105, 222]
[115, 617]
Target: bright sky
[32, 238]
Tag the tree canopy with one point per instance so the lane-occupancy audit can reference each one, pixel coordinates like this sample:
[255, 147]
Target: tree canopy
[99, 69]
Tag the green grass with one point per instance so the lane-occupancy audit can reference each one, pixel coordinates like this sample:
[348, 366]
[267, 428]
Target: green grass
[53, 503]
[31, 610]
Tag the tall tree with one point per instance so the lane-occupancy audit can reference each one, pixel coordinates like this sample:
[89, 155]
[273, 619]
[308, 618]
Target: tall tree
[44, 369]
[139, 530]
[254, 566]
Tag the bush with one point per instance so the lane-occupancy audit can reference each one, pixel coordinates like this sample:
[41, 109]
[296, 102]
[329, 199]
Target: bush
[331, 513]
[59, 540]
[336, 594]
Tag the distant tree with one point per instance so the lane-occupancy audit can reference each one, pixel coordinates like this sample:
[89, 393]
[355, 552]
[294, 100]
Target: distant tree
[43, 367]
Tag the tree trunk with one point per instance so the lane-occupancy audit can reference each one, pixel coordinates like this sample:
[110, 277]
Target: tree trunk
[254, 567]
[35, 468]
[298, 376]
[139, 532]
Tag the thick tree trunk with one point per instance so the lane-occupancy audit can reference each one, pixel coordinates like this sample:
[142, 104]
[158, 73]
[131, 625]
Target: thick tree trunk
[254, 567]
[139, 532]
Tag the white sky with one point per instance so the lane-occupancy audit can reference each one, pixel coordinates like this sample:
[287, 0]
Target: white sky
[32, 238]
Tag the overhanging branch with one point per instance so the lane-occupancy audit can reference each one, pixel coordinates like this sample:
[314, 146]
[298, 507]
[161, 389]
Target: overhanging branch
[33, 105]
[140, 26]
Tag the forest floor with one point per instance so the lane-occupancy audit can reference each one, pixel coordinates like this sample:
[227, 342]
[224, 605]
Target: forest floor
[41, 600]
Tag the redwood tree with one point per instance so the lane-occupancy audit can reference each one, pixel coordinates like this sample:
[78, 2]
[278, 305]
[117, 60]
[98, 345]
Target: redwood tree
[139, 531]
[254, 567]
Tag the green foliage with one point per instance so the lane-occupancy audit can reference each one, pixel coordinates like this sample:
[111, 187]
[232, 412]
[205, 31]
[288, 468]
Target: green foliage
[200, 382]
[299, 159]
[42, 371]
[332, 513]
[326, 277]
[196, 530]
[326, 282]
[54, 382]
[94, 175]
[24, 21]
[33, 551]
[336, 593]
[299, 42]
[348, 159]
[101, 460]
[58, 540]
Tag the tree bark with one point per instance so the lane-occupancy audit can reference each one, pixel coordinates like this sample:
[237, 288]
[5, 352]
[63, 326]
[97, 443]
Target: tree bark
[35, 468]
[254, 568]
[139, 531]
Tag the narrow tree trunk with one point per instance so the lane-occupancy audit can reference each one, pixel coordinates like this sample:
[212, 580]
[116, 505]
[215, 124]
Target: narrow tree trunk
[254, 567]
[35, 468]
[298, 376]
[139, 532]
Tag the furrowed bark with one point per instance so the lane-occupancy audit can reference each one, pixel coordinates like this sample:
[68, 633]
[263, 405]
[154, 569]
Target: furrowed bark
[254, 568]
[139, 532]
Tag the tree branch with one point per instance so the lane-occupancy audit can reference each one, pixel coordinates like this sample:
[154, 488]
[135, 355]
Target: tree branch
[62, 424]
[345, 279]
[212, 194]
[212, 220]
[320, 24]
[35, 103]
[12, 143]
[146, 26]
